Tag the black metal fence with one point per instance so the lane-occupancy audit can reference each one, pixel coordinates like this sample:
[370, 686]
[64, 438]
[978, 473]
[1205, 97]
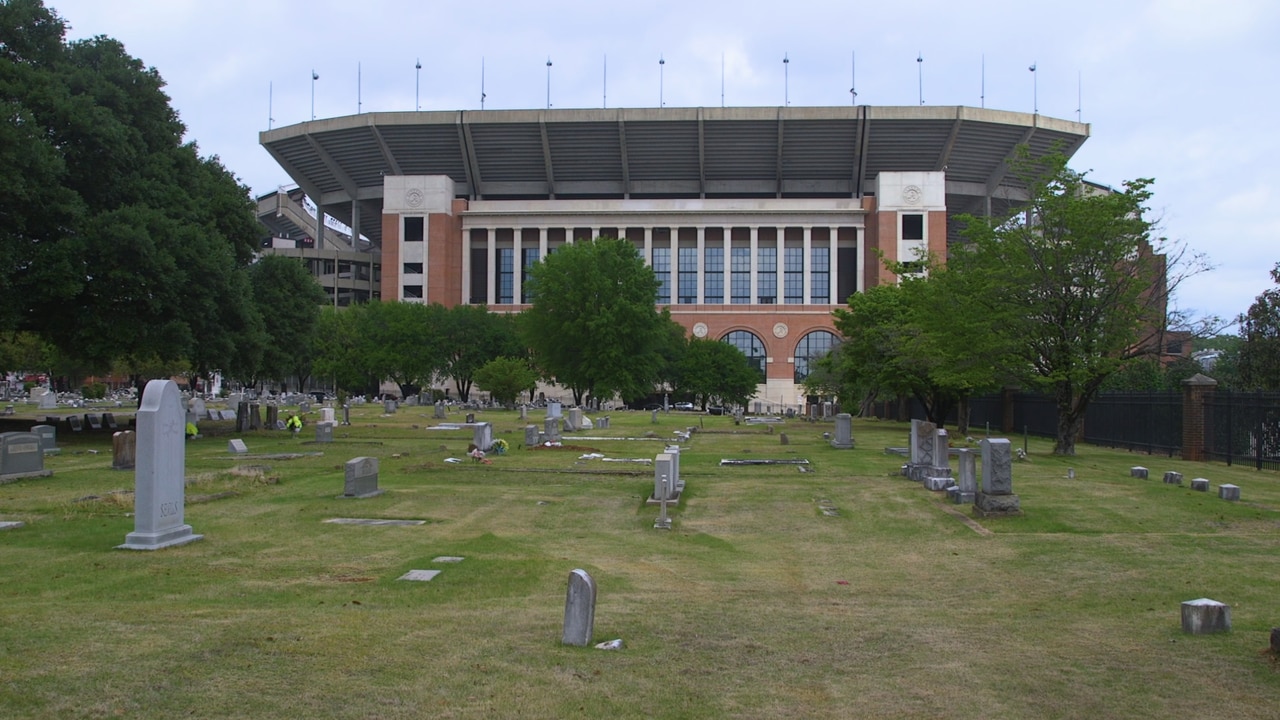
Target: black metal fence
[1243, 428]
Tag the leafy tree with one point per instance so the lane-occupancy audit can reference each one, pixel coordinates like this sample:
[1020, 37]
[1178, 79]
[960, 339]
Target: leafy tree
[401, 342]
[1259, 355]
[471, 337]
[505, 378]
[104, 209]
[1141, 374]
[288, 299]
[341, 355]
[715, 372]
[592, 323]
[1070, 288]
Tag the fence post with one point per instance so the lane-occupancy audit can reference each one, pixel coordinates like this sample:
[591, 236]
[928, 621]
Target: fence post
[1195, 390]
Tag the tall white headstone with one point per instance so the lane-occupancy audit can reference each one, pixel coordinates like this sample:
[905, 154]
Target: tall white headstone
[159, 485]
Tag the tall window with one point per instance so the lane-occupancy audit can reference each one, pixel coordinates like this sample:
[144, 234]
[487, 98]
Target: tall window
[506, 275]
[713, 275]
[688, 275]
[810, 348]
[750, 346]
[530, 257]
[767, 275]
[793, 280]
[662, 269]
[413, 229]
[740, 277]
[820, 275]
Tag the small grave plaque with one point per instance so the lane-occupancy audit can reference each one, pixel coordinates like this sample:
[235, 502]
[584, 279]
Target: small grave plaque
[93, 420]
[1137, 471]
[237, 447]
[109, 420]
[1200, 484]
[324, 432]
[1227, 491]
[74, 422]
[1204, 616]
[1173, 478]
[447, 559]
[419, 575]
[372, 521]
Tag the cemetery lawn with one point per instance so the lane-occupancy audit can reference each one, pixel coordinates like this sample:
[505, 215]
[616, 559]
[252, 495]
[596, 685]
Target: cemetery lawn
[757, 604]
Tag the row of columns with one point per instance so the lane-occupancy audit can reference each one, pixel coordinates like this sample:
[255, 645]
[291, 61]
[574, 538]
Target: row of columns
[517, 260]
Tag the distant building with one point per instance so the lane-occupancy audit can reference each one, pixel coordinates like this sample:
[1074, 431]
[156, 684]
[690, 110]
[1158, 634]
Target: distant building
[758, 221]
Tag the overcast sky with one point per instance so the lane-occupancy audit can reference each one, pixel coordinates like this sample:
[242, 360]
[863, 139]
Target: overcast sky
[1182, 91]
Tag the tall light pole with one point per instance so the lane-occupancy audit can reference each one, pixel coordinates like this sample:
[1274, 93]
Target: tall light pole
[548, 82]
[853, 79]
[662, 64]
[1035, 90]
[417, 77]
[920, 75]
[314, 78]
[786, 80]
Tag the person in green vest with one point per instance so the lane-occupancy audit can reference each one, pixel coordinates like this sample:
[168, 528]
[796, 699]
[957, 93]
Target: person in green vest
[294, 424]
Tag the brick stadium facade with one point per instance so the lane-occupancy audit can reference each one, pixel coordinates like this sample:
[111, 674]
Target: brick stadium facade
[758, 221]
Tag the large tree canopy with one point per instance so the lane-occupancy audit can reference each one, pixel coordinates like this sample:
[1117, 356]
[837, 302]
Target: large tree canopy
[1067, 290]
[117, 241]
[471, 336]
[289, 301]
[593, 324]
[716, 372]
[1258, 357]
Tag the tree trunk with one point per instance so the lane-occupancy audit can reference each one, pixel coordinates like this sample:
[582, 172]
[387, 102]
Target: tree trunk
[962, 416]
[1070, 419]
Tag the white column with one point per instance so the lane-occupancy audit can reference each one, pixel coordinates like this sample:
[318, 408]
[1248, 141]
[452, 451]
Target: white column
[517, 265]
[806, 266]
[755, 248]
[726, 239]
[491, 271]
[859, 276]
[648, 246]
[595, 233]
[832, 265]
[466, 267]
[702, 245]
[542, 243]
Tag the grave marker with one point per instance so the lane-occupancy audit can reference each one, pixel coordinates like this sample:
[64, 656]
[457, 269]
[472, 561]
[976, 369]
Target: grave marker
[361, 478]
[237, 447]
[967, 480]
[996, 496]
[843, 439]
[579, 609]
[160, 482]
[21, 456]
[1204, 616]
[1227, 491]
[74, 422]
[110, 421]
[48, 438]
[124, 450]
[482, 436]
[324, 432]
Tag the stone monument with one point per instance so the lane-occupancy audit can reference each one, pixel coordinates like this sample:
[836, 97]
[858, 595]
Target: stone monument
[996, 496]
[579, 609]
[160, 482]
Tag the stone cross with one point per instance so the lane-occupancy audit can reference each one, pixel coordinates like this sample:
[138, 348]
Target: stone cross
[160, 482]
[579, 609]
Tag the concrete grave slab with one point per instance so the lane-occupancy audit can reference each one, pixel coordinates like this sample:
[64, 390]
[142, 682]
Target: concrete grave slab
[447, 559]
[420, 575]
[374, 521]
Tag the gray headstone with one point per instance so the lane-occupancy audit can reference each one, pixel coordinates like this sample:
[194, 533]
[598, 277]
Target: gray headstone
[579, 609]
[389, 407]
[573, 423]
[482, 436]
[304, 407]
[324, 432]
[783, 438]
[197, 406]
[937, 483]
[471, 417]
[255, 416]
[48, 401]
[21, 456]
[524, 412]
[603, 423]
[677, 482]
[242, 416]
[1138, 471]
[553, 409]
[1203, 616]
[361, 478]
[48, 437]
[967, 477]
[109, 420]
[93, 420]
[926, 442]
[997, 466]
[530, 435]
[327, 415]
[551, 426]
[1200, 484]
[1173, 478]
[653, 418]
[346, 414]
[160, 478]
[237, 447]
[843, 439]
[664, 467]
[74, 422]
[1227, 491]
[124, 450]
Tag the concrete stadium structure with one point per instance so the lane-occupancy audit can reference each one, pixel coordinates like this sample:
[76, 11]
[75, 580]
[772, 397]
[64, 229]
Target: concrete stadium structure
[758, 221]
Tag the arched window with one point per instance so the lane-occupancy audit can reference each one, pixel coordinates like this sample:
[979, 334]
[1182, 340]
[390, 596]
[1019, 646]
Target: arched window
[810, 348]
[750, 346]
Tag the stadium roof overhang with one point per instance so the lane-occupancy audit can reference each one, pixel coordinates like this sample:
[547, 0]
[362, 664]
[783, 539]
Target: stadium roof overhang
[793, 152]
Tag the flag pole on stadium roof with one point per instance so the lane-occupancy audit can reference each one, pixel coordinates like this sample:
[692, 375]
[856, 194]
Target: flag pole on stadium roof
[417, 76]
[270, 119]
[662, 64]
[920, 75]
[1035, 90]
[482, 95]
[786, 80]
[314, 77]
[853, 79]
[604, 91]
[548, 82]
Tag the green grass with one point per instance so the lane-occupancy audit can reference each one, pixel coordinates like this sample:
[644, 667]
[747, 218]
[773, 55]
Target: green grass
[756, 604]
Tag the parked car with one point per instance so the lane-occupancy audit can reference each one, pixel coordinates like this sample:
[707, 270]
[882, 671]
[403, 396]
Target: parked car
[684, 406]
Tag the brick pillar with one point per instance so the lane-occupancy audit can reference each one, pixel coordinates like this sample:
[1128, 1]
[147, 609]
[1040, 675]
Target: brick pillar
[1195, 390]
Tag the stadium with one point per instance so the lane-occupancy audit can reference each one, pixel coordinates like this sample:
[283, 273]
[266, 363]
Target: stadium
[757, 221]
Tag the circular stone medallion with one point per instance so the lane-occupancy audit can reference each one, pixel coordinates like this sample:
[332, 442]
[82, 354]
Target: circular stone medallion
[912, 194]
[780, 330]
[414, 198]
[700, 330]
